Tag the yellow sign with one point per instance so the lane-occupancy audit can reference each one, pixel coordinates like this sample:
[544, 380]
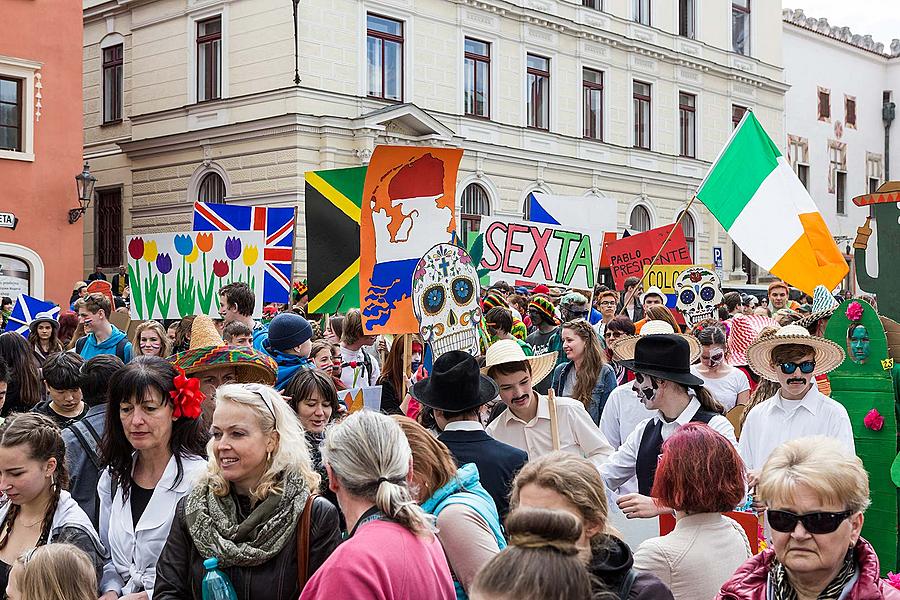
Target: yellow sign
[663, 277]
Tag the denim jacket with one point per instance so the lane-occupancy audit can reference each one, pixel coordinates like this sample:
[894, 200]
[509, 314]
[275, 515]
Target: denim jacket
[606, 383]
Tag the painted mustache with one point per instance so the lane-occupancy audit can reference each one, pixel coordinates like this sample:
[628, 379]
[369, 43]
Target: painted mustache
[521, 398]
[797, 380]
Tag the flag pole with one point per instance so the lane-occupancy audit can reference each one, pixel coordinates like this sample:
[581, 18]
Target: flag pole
[663, 246]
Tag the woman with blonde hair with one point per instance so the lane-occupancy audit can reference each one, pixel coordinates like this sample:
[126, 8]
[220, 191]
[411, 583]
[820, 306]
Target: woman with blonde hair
[468, 525]
[565, 482]
[53, 572]
[587, 377]
[150, 339]
[391, 552]
[254, 509]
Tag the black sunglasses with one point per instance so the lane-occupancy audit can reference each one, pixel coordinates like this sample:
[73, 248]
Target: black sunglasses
[817, 522]
[806, 367]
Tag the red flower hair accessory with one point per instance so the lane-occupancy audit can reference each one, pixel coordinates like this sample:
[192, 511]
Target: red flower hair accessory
[186, 396]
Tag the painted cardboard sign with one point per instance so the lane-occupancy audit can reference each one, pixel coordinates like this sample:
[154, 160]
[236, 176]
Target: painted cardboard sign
[361, 398]
[408, 206]
[628, 256]
[173, 275]
[554, 255]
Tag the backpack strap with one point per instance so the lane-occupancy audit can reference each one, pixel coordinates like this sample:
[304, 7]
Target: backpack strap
[89, 439]
[627, 584]
[120, 348]
[79, 344]
[303, 535]
[367, 362]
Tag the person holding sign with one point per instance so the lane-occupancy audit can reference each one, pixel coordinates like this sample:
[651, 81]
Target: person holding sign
[587, 376]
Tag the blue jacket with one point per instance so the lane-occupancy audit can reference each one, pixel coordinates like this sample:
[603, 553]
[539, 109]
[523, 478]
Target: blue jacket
[466, 489]
[606, 383]
[288, 365]
[83, 459]
[260, 336]
[91, 348]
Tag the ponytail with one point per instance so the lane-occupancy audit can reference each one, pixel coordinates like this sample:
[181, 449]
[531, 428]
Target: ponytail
[707, 401]
[395, 502]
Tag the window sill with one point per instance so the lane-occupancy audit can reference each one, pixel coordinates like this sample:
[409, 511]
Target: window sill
[382, 99]
[533, 128]
[636, 147]
[479, 117]
[13, 155]
[691, 156]
[111, 123]
[593, 139]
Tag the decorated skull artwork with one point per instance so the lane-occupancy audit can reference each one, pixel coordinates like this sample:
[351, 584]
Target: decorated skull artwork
[445, 300]
[699, 292]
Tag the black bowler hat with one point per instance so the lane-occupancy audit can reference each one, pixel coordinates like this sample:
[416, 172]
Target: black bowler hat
[665, 356]
[455, 385]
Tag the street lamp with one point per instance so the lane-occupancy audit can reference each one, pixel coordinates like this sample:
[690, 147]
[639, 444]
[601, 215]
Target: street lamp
[84, 182]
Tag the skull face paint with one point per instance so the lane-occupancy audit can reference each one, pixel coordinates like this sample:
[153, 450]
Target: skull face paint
[699, 292]
[445, 300]
[645, 387]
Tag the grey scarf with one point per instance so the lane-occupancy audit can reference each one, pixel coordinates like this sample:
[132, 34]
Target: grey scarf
[215, 526]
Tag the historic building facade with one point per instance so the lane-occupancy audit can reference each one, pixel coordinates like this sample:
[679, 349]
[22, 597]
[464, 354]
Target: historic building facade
[834, 119]
[218, 100]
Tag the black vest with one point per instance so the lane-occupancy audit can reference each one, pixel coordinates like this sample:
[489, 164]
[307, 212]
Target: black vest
[651, 447]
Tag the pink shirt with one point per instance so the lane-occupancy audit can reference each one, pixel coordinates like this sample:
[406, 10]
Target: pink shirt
[384, 561]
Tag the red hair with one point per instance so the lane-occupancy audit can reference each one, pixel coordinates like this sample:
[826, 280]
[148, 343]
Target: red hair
[699, 472]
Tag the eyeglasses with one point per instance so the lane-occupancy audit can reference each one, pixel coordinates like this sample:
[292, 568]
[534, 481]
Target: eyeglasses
[806, 367]
[607, 303]
[609, 333]
[816, 523]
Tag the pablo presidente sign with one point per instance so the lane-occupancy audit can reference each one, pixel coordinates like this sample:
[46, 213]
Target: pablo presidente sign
[628, 256]
[540, 253]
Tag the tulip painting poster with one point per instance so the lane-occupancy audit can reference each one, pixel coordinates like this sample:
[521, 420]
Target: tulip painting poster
[172, 275]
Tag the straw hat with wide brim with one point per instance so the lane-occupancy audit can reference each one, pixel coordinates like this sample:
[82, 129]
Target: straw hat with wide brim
[623, 348]
[509, 351]
[829, 355]
[207, 351]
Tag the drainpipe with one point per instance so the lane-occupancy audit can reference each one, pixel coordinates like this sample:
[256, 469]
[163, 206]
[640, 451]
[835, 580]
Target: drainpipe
[296, 45]
[887, 115]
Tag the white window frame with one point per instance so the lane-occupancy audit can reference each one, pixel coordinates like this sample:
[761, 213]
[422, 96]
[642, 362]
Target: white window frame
[202, 171]
[220, 10]
[26, 70]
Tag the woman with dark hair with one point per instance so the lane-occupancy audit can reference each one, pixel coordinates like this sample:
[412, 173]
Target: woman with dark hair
[587, 377]
[391, 379]
[706, 547]
[68, 322]
[43, 337]
[618, 327]
[24, 391]
[153, 445]
[183, 334]
[314, 398]
[35, 481]
[728, 384]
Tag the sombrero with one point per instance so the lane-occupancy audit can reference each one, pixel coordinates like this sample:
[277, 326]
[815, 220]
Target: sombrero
[823, 305]
[829, 355]
[623, 348]
[744, 330]
[509, 351]
[207, 351]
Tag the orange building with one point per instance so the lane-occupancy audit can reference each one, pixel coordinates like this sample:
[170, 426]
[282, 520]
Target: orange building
[40, 148]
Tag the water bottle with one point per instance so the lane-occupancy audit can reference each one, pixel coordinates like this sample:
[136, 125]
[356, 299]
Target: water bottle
[216, 585]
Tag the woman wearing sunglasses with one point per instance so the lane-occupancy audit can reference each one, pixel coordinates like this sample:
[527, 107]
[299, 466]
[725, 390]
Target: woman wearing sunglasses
[792, 358]
[816, 494]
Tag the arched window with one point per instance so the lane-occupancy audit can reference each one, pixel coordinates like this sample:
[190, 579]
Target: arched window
[475, 204]
[690, 233]
[212, 189]
[640, 219]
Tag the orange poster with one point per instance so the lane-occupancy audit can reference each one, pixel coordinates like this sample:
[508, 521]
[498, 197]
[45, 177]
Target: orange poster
[409, 205]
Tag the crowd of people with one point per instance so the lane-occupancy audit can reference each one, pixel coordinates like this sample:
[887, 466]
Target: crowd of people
[129, 460]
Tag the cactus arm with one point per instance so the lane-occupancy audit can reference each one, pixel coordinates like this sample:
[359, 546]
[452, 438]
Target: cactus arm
[865, 281]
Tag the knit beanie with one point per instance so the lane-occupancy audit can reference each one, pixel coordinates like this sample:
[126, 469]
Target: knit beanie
[493, 300]
[288, 330]
[543, 306]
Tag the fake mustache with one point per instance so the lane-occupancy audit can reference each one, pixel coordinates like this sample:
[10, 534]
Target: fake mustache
[797, 380]
[522, 398]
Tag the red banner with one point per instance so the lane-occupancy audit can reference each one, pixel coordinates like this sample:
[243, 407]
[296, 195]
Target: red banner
[628, 256]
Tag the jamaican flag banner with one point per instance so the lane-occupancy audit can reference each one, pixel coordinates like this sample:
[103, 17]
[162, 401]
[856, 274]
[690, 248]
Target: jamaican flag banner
[333, 200]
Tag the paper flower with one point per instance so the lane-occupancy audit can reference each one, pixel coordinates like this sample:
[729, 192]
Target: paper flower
[232, 247]
[186, 396]
[136, 248]
[205, 242]
[251, 255]
[854, 311]
[873, 420]
[220, 268]
[184, 245]
[164, 263]
[150, 251]
[894, 579]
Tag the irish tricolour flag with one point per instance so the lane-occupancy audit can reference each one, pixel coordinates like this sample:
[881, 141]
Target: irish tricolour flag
[753, 192]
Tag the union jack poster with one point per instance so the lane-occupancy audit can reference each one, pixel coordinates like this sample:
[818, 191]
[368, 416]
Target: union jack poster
[278, 226]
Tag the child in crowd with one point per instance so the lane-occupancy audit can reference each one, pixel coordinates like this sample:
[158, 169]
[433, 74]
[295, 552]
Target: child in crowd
[289, 343]
[238, 334]
[65, 404]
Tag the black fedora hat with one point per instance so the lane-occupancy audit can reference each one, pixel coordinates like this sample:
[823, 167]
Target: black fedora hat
[665, 356]
[455, 385]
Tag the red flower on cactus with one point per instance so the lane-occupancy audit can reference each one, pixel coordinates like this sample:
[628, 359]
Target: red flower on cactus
[136, 248]
[873, 420]
[894, 579]
[220, 268]
[186, 396]
[854, 311]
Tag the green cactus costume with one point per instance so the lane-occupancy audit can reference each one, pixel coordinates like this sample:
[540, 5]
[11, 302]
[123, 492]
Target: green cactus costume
[861, 384]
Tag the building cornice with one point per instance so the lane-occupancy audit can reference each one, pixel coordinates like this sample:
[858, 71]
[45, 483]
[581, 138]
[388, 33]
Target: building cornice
[841, 36]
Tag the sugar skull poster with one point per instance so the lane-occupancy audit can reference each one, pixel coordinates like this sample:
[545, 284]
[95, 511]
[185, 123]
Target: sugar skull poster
[445, 293]
[409, 201]
[698, 293]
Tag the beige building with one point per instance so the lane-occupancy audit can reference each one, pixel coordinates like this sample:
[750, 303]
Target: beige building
[199, 99]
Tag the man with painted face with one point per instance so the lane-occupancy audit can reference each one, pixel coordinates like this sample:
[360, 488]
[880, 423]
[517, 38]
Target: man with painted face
[546, 338]
[793, 358]
[664, 383]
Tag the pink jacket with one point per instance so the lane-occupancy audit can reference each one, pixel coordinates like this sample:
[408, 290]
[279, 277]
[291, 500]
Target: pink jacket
[750, 581]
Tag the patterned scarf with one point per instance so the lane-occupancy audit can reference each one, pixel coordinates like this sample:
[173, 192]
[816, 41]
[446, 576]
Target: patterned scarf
[216, 529]
[783, 589]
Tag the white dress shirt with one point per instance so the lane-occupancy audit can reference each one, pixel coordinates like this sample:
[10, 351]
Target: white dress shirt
[776, 421]
[577, 432]
[622, 465]
[623, 412]
[464, 426]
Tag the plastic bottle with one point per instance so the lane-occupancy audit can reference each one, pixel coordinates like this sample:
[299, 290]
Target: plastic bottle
[216, 585]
